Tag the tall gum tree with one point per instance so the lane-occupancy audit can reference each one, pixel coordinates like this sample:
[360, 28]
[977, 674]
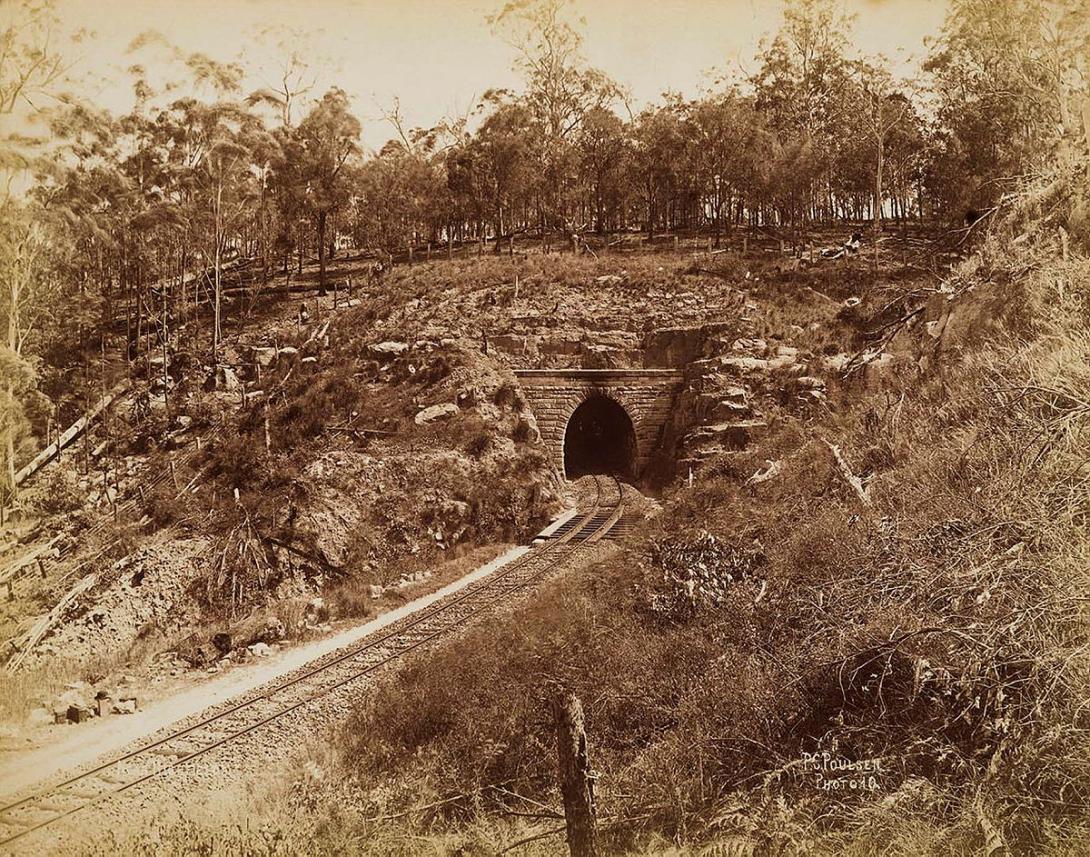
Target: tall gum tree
[329, 139]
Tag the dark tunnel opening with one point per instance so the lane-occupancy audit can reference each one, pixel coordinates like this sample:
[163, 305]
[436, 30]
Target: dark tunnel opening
[599, 438]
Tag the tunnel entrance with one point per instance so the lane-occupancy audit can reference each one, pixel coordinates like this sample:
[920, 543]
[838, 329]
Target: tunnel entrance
[599, 438]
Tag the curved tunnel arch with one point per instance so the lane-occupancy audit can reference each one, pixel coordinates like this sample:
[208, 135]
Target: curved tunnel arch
[599, 438]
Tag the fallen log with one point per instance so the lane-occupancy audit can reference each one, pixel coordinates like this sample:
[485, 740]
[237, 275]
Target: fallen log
[23, 645]
[13, 571]
[71, 433]
[853, 481]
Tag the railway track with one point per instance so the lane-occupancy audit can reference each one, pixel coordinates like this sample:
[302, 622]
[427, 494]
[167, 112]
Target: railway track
[214, 728]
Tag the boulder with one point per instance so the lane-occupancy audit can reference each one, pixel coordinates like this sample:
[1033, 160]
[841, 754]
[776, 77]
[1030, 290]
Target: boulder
[468, 396]
[316, 611]
[736, 435]
[727, 409]
[75, 697]
[79, 713]
[750, 345]
[526, 429]
[125, 706]
[435, 412]
[561, 347]
[783, 361]
[744, 365]
[222, 642]
[389, 349]
[509, 343]
[259, 650]
[289, 351]
[836, 362]
[263, 357]
[672, 346]
[596, 356]
[273, 631]
[226, 379]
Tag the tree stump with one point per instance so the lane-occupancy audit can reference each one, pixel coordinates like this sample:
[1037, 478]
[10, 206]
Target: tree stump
[576, 778]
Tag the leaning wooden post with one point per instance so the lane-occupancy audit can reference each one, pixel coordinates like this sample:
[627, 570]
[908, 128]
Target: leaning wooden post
[576, 778]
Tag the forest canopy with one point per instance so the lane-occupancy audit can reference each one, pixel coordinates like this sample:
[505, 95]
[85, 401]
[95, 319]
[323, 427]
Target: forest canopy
[128, 222]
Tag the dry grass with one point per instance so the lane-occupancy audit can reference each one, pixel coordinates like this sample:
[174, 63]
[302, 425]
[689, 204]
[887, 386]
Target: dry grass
[352, 598]
[937, 631]
[940, 630]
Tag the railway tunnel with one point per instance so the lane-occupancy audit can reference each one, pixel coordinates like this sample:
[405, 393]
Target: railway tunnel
[599, 438]
[598, 421]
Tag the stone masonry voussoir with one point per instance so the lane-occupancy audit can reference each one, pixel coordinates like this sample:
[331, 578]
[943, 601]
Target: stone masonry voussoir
[646, 395]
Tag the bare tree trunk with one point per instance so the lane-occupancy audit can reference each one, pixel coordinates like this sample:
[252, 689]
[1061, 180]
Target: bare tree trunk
[321, 252]
[217, 332]
[576, 779]
[9, 453]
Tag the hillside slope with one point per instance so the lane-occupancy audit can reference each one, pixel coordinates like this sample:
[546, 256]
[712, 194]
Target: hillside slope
[866, 632]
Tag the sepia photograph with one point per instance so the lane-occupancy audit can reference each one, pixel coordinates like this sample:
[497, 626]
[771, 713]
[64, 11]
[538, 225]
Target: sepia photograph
[545, 428]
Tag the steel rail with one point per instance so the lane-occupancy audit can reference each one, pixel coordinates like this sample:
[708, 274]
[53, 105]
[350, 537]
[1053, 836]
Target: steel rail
[490, 591]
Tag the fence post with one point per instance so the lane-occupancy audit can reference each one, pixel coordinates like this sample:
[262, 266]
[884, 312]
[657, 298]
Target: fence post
[576, 778]
[410, 255]
[450, 248]
[429, 251]
[677, 243]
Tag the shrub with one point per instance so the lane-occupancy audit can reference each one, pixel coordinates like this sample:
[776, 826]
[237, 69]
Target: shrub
[163, 505]
[479, 444]
[59, 493]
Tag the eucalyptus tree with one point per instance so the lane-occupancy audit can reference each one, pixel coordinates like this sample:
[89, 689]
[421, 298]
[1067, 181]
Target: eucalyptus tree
[658, 138]
[505, 151]
[1011, 81]
[562, 89]
[328, 143]
[603, 149]
[722, 138]
[800, 87]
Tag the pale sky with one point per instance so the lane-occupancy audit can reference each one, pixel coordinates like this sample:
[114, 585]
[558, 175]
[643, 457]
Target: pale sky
[438, 56]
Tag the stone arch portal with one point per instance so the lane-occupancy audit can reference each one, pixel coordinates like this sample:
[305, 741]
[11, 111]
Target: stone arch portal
[599, 438]
[589, 404]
